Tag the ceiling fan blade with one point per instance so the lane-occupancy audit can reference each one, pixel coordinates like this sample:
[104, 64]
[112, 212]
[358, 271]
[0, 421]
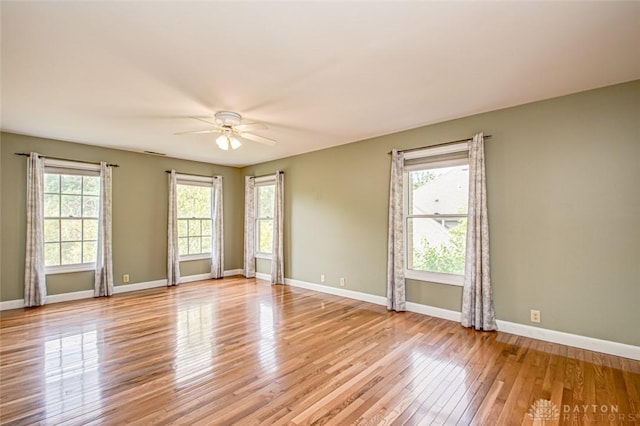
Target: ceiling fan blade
[251, 126]
[197, 132]
[256, 138]
[206, 120]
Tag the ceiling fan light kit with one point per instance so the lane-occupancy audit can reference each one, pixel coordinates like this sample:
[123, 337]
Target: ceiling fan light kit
[229, 125]
[224, 141]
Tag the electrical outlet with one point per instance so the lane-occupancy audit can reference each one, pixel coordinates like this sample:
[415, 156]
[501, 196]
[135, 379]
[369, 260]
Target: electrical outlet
[342, 282]
[535, 315]
[125, 278]
[322, 278]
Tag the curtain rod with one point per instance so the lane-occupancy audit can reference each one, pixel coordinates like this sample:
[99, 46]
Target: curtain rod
[438, 144]
[24, 154]
[191, 174]
[270, 174]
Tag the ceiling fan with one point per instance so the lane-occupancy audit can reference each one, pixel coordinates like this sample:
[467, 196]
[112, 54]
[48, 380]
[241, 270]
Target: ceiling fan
[229, 125]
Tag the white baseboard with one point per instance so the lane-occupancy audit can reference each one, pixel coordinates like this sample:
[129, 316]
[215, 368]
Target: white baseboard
[433, 311]
[11, 304]
[117, 289]
[87, 294]
[569, 339]
[371, 298]
[231, 272]
[575, 340]
[263, 276]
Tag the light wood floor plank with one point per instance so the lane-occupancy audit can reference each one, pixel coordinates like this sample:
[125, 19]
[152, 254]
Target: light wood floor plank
[239, 351]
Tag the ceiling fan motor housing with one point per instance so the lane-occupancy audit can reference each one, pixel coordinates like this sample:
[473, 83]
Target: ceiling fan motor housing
[228, 118]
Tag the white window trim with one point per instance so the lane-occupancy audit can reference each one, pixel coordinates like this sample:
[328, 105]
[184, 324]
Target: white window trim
[67, 164]
[261, 181]
[182, 179]
[63, 269]
[200, 256]
[427, 276]
[191, 179]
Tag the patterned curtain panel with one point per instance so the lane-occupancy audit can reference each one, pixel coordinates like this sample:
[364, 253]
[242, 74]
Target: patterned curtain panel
[477, 298]
[35, 287]
[173, 255]
[277, 257]
[217, 246]
[249, 227]
[396, 289]
[103, 280]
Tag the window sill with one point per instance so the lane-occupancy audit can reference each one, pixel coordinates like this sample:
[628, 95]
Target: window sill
[53, 270]
[190, 257]
[263, 256]
[435, 277]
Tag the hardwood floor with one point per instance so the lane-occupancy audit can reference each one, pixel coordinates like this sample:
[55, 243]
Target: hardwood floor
[236, 351]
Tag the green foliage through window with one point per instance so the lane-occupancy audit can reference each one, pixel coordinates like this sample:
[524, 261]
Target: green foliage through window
[444, 258]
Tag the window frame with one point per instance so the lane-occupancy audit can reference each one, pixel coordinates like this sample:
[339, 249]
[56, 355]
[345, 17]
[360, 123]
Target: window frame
[201, 181]
[262, 182]
[61, 167]
[429, 276]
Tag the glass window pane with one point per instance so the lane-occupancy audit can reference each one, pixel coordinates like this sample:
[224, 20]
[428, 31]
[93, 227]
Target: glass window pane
[443, 190]
[265, 200]
[51, 205]
[51, 230]
[70, 206]
[70, 184]
[194, 201]
[194, 228]
[51, 183]
[51, 254]
[183, 246]
[90, 206]
[71, 253]
[89, 251]
[206, 227]
[182, 228]
[206, 244]
[436, 245]
[90, 229]
[194, 245]
[71, 229]
[265, 235]
[91, 185]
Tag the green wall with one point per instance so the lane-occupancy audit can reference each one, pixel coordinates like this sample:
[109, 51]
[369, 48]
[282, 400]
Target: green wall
[564, 200]
[564, 204]
[140, 192]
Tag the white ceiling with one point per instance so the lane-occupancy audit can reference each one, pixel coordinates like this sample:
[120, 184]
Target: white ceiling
[130, 74]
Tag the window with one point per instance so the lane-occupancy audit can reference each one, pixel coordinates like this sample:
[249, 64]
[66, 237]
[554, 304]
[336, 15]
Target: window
[71, 205]
[194, 218]
[436, 189]
[265, 203]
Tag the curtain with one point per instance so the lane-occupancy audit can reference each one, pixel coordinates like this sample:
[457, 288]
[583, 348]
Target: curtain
[277, 256]
[396, 299]
[477, 298]
[103, 280]
[249, 227]
[35, 287]
[173, 255]
[217, 246]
